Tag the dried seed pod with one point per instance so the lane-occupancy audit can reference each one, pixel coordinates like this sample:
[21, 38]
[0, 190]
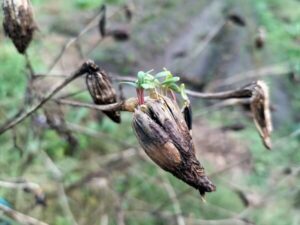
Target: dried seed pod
[260, 108]
[102, 92]
[237, 19]
[163, 134]
[18, 22]
[119, 34]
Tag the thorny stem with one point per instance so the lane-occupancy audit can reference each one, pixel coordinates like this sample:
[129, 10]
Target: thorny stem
[87, 66]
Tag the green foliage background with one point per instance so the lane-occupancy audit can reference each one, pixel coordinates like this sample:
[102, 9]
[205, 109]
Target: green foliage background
[141, 180]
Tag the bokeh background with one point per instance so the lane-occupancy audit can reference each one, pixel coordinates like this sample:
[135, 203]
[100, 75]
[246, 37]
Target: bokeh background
[94, 172]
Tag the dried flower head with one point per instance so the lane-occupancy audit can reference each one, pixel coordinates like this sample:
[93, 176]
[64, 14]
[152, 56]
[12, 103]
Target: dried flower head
[260, 107]
[18, 22]
[102, 92]
[163, 134]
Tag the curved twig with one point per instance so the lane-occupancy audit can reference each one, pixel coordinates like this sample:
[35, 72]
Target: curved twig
[18, 119]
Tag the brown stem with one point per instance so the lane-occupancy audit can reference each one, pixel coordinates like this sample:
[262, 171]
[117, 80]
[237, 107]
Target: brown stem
[115, 106]
[239, 93]
[88, 65]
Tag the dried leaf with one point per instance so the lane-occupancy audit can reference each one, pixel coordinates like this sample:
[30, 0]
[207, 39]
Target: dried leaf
[260, 108]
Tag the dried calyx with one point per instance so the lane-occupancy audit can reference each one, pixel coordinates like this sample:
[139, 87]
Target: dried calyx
[18, 22]
[164, 135]
[260, 108]
[102, 92]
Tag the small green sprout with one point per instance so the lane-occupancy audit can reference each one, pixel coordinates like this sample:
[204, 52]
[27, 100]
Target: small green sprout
[164, 81]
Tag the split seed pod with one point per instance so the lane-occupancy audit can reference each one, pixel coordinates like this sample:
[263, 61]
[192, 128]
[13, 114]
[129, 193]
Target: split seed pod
[18, 22]
[260, 107]
[163, 134]
[102, 92]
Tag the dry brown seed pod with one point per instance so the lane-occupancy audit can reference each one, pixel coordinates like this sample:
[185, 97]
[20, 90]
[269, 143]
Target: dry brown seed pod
[102, 21]
[163, 134]
[102, 92]
[260, 108]
[119, 34]
[18, 22]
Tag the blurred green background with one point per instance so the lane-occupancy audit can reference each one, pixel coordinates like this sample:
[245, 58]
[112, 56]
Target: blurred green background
[108, 179]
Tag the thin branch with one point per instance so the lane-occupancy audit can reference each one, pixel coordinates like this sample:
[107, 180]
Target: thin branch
[19, 118]
[272, 70]
[113, 106]
[19, 185]
[238, 93]
[74, 39]
[20, 217]
[29, 65]
[172, 194]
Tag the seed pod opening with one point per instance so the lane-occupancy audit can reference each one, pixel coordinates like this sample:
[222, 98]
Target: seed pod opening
[102, 92]
[163, 134]
[18, 22]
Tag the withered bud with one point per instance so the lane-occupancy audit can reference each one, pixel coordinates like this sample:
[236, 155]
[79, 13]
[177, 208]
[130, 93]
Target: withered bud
[18, 22]
[119, 34]
[102, 92]
[163, 134]
[237, 19]
[260, 108]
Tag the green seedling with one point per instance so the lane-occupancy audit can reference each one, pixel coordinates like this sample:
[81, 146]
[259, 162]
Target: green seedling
[164, 81]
